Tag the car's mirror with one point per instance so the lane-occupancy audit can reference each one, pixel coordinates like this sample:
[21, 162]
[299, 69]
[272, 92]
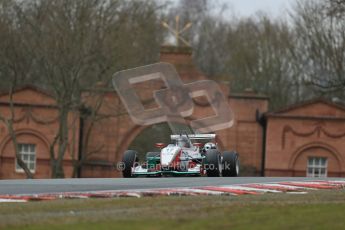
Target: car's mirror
[160, 145]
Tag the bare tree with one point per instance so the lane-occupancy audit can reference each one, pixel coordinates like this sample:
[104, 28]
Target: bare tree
[9, 123]
[77, 43]
[251, 53]
[67, 46]
[13, 69]
[321, 46]
[260, 58]
[335, 8]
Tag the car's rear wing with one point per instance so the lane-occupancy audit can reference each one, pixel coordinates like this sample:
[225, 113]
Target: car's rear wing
[195, 136]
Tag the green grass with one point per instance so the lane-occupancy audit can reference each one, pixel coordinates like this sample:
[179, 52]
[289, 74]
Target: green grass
[316, 210]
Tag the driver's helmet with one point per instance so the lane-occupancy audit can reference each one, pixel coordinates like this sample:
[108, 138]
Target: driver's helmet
[209, 146]
[182, 142]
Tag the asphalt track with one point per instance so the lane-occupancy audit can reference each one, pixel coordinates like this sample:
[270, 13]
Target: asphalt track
[37, 186]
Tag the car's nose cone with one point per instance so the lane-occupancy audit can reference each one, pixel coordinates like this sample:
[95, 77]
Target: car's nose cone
[168, 154]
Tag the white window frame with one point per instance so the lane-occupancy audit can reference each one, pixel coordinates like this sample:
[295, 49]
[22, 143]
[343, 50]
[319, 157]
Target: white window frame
[28, 155]
[315, 165]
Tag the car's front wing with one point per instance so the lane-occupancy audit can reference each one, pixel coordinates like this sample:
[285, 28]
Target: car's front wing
[140, 171]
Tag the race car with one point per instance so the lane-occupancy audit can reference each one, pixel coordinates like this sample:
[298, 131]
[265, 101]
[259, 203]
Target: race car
[187, 155]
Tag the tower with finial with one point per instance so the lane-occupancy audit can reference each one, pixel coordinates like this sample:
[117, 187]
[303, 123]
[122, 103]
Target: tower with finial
[177, 32]
[180, 53]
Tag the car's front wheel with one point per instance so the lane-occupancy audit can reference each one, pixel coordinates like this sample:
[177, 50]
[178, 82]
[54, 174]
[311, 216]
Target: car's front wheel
[213, 164]
[130, 158]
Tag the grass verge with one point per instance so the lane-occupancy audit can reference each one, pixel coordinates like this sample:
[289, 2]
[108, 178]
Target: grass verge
[316, 210]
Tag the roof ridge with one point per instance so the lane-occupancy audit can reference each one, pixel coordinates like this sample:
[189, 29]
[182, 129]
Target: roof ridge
[29, 86]
[306, 102]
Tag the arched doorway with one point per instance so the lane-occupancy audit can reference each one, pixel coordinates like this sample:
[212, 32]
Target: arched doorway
[145, 141]
[143, 138]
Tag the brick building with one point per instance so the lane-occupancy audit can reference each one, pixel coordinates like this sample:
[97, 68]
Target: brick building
[300, 140]
[306, 139]
[35, 123]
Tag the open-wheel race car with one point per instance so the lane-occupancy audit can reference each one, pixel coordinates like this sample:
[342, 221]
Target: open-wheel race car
[187, 155]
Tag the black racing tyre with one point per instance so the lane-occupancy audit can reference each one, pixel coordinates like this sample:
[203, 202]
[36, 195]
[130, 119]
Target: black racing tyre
[129, 159]
[231, 164]
[152, 154]
[213, 163]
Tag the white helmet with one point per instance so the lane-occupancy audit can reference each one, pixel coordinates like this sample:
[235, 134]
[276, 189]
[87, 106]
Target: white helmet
[209, 146]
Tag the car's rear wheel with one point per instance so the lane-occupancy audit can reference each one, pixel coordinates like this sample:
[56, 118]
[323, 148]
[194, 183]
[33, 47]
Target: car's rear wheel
[130, 158]
[213, 163]
[231, 164]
